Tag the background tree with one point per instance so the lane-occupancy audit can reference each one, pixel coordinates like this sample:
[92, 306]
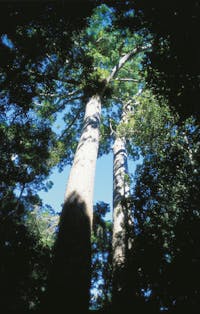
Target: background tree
[165, 209]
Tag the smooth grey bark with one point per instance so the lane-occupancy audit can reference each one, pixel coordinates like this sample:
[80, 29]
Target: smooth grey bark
[70, 275]
[121, 225]
[121, 191]
[81, 178]
[122, 240]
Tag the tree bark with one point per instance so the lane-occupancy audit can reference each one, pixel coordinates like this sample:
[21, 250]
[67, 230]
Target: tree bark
[121, 191]
[81, 178]
[121, 224]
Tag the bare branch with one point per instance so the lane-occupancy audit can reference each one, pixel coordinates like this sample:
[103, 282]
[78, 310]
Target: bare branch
[124, 59]
[111, 128]
[61, 96]
[126, 79]
[99, 39]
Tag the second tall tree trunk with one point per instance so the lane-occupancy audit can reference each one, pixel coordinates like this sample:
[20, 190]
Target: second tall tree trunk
[121, 225]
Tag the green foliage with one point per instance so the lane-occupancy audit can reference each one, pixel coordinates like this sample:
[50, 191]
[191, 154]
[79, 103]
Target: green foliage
[149, 123]
[42, 222]
[172, 65]
[166, 214]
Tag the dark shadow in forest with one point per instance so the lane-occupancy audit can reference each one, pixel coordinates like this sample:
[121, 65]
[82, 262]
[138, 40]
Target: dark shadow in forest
[23, 259]
[69, 279]
[173, 286]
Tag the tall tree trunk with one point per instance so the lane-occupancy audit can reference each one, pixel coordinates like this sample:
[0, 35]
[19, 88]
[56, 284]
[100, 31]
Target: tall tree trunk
[70, 275]
[70, 278]
[122, 239]
[121, 224]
